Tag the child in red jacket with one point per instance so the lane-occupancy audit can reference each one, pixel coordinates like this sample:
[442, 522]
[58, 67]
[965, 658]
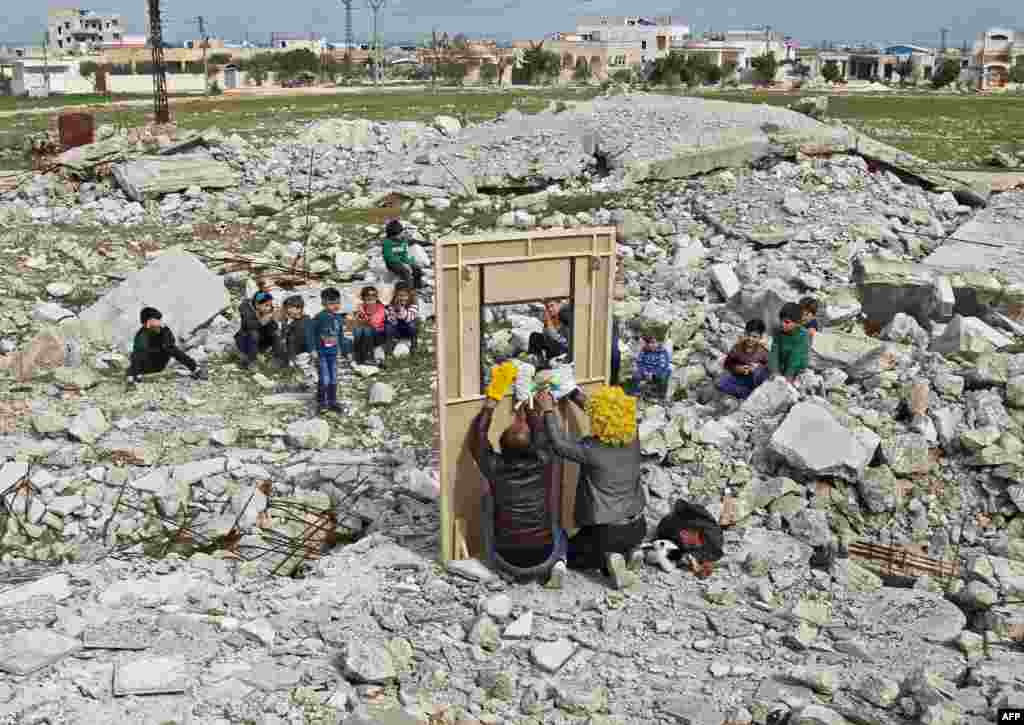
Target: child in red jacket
[369, 331]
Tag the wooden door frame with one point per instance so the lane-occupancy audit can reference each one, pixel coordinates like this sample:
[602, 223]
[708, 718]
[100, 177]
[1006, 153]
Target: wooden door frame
[590, 253]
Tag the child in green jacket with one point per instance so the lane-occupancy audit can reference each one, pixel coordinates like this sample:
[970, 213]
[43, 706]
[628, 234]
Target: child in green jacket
[397, 258]
[791, 344]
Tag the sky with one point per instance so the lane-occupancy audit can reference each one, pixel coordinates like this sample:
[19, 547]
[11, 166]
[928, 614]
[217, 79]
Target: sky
[406, 20]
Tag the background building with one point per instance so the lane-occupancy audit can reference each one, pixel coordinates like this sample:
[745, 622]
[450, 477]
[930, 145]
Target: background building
[77, 30]
[994, 52]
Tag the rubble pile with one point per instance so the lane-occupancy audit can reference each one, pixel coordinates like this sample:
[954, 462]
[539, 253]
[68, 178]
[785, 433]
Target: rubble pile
[161, 515]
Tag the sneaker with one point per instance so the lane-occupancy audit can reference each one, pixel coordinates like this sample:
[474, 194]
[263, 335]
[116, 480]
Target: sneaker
[557, 578]
[616, 566]
[636, 559]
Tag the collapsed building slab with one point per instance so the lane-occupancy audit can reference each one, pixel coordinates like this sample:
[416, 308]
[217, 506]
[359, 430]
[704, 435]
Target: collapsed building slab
[985, 263]
[890, 286]
[179, 285]
[150, 177]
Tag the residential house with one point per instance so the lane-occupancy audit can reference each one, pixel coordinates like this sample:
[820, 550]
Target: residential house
[77, 30]
[995, 52]
[608, 43]
[740, 47]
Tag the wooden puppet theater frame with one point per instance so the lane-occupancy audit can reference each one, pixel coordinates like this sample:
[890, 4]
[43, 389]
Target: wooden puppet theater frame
[577, 264]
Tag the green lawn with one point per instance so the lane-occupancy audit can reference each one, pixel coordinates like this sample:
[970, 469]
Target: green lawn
[957, 132]
[267, 114]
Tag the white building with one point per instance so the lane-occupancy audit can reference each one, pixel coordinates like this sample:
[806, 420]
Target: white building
[29, 77]
[651, 36]
[740, 47]
[73, 29]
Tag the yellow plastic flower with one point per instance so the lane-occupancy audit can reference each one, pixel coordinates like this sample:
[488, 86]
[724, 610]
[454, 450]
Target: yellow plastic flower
[502, 378]
[612, 416]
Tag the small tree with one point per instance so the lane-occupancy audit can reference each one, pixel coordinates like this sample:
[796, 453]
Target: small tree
[488, 73]
[453, 73]
[622, 75]
[905, 70]
[830, 71]
[765, 66]
[713, 74]
[88, 69]
[670, 70]
[219, 59]
[581, 73]
[728, 70]
[1017, 71]
[948, 71]
[538, 66]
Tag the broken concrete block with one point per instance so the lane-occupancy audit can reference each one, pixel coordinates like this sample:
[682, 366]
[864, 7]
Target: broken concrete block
[32, 649]
[889, 286]
[152, 676]
[89, 425]
[187, 294]
[771, 398]
[812, 438]
[725, 281]
[149, 177]
[312, 433]
[763, 301]
[969, 337]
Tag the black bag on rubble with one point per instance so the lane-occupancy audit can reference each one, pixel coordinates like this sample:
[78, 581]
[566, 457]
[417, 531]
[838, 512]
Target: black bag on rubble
[703, 538]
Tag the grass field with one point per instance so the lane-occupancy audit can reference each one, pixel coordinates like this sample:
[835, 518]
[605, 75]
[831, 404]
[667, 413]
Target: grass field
[957, 132]
[254, 114]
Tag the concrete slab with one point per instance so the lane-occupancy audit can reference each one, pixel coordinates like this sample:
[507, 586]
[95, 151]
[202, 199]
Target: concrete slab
[269, 677]
[179, 285]
[118, 635]
[55, 586]
[985, 244]
[33, 649]
[153, 676]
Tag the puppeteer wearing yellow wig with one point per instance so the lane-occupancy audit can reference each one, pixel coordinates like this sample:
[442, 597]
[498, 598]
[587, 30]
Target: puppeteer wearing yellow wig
[612, 416]
[609, 496]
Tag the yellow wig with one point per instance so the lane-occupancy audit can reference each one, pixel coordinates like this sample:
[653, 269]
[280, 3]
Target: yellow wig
[612, 416]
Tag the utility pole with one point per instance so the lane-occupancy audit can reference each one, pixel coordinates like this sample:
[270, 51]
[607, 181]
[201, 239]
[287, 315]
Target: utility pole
[205, 40]
[161, 111]
[376, 51]
[349, 38]
[942, 48]
[46, 62]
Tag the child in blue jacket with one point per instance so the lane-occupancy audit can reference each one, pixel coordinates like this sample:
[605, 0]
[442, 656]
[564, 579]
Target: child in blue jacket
[327, 339]
[652, 365]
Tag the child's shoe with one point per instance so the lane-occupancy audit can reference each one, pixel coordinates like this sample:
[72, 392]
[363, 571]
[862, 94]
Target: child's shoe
[616, 566]
[557, 578]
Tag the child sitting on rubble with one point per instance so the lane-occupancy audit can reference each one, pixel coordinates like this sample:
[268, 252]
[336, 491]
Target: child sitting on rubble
[397, 257]
[809, 315]
[401, 318]
[294, 332]
[369, 332]
[746, 365]
[791, 345]
[154, 346]
[652, 365]
[258, 330]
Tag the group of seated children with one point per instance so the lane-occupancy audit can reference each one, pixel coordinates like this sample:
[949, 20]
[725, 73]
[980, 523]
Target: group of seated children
[750, 362]
[325, 336]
